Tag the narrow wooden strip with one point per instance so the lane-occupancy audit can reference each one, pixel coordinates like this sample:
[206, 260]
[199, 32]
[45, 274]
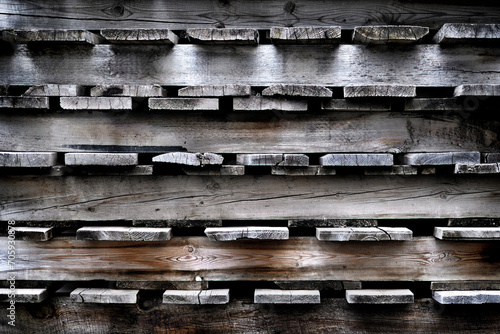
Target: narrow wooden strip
[302, 171]
[55, 90]
[33, 233]
[305, 35]
[104, 296]
[215, 90]
[435, 104]
[379, 296]
[223, 36]
[467, 297]
[448, 158]
[491, 168]
[162, 285]
[275, 296]
[128, 90]
[256, 103]
[389, 34]
[491, 157]
[467, 233]
[393, 170]
[101, 159]
[28, 159]
[465, 285]
[380, 91]
[190, 159]
[332, 222]
[374, 159]
[21, 295]
[58, 36]
[363, 234]
[297, 90]
[246, 232]
[474, 222]
[202, 297]
[355, 105]
[267, 159]
[177, 103]
[140, 36]
[96, 103]
[467, 32]
[318, 285]
[22, 102]
[177, 223]
[229, 170]
[128, 170]
[122, 233]
[477, 90]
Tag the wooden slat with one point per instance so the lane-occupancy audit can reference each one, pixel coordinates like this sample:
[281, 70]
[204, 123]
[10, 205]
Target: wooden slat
[474, 222]
[297, 90]
[276, 296]
[255, 103]
[491, 168]
[375, 159]
[272, 159]
[467, 33]
[393, 170]
[27, 159]
[58, 36]
[247, 197]
[22, 102]
[363, 234]
[305, 35]
[477, 90]
[104, 296]
[491, 157]
[96, 103]
[33, 233]
[445, 158]
[379, 296]
[355, 105]
[302, 171]
[183, 103]
[55, 90]
[128, 90]
[301, 259]
[108, 170]
[467, 297]
[193, 297]
[101, 159]
[465, 285]
[219, 170]
[264, 65]
[467, 233]
[215, 90]
[140, 36]
[389, 34]
[332, 222]
[318, 285]
[380, 91]
[162, 285]
[22, 295]
[223, 36]
[189, 159]
[247, 232]
[122, 233]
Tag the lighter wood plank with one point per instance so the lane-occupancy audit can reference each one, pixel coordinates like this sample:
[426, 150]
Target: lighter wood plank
[467, 32]
[33, 233]
[101, 159]
[104, 296]
[24, 295]
[140, 36]
[246, 232]
[190, 159]
[465, 285]
[380, 91]
[28, 159]
[215, 90]
[177, 103]
[302, 171]
[55, 90]
[22, 102]
[96, 103]
[297, 90]
[128, 90]
[256, 103]
[305, 35]
[223, 36]
[390, 34]
[122, 233]
[379, 296]
[270, 159]
[355, 105]
[332, 222]
[363, 234]
[194, 297]
[393, 170]
[474, 222]
[448, 158]
[491, 168]
[275, 296]
[318, 285]
[467, 233]
[58, 36]
[357, 160]
[467, 297]
[477, 90]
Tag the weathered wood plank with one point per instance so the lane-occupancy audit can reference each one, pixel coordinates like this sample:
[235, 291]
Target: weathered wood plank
[189, 159]
[21, 295]
[435, 104]
[22, 102]
[275, 296]
[491, 168]
[465, 285]
[380, 91]
[177, 223]
[202, 297]
[467, 32]
[467, 233]
[33, 233]
[140, 36]
[379, 296]
[318, 285]
[389, 34]
[267, 159]
[128, 90]
[491, 157]
[297, 90]
[255, 103]
[162, 285]
[101, 159]
[183, 103]
[55, 90]
[445, 158]
[247, 232]
[302, 171]
[354, 105]
[100, 170]
[58, 36]
[96, 103]
[123, 233]
[393, 170]
[305, 35]
[247, 197]
[474, 222]
[373, 159]
[332, 222]
[28, 159]
[467, 297]
[104, 296]
[363, 234]
[223, 35]
[477, 90]
[215, 90]
[228, 170]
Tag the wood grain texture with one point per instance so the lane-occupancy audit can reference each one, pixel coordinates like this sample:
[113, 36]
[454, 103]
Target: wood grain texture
[58, 36]
[491, 168]
[104, 296]
[101, 159]
[389, 34]
[474, 222]
[355, 105]
[256, 103]
[193, 297]
[444, 158]
[305, 35]
[219, 170]
[467, 297]
[140, 36]
[435, 104]
[22, 295]
[272, 159]
[162, 285]
[477, 90]
[297, 259]
[182, 103]
[332, 222]
[189, 159]
[28, 159]
[55, 90]
[247, 232]
[379, 296]
[297, 90]
[452, 33]
[22, 102]
[123, 233]
[393, 170]
[302, 171]
[363, 234]
[467, 233]
[96, 103]
[318, 285]
[215, 90]
[380, 91]
[223, 35]
[264, 65]
[33, 233]
[276, 296]
[465, 285]
[128, 90]
[375, 159]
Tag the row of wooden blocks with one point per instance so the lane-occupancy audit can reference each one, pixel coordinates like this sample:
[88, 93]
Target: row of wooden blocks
[388, 34]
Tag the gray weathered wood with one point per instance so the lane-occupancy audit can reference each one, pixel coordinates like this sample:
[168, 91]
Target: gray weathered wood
[140, 36]
[276, 296]
[467, 233]
[318, 285]
[128, 90]
[267, 159]
[190, 159]
[104, 296]
[465, 285]
[305, 35]
[380, 91]
[297, 90]
[474, 222]
[96, 103]
[393, 170]
[246, 232]
[183, 103]
[24, 295]
[491, 168]
[28, 159]
[22, 102]
[467, 32]
[445, 158]
[379, 296]
[223, 36]
[162, 285]
[33, 233]
[215, 90]
[177, 223]
[355, 105]
[229, 170]
[363, 234]
[299, 160]
[101, 159]
[55, 90]
[196, 297]
[477, 90]
[390, 34]
[128, 170]
[360, 159]
[491, 157]
[467, 297]
[123, 233]
[332, 222]
[302, 171]
[435, 104]
[268, 103]
[58, 36]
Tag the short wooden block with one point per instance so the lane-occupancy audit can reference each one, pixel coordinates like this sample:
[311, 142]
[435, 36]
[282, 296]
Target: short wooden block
[58, 36]
[302, 171]
[467, 297]
[452, 33]
[276, 296]
[491, 157]
[190, 159]
[223, 36]
[380, 91]
[305, 35]
[24, 102]
[491, 168]
[390, 34]
[129, 90]
[363, 234]
[467, 233]
[28, 159]
[477, 90]
[33, 233]
[22, 295]
[393, 170]
[448, 158]
[123, 233]
[465, 285]
[257, 103]
[297, 90]
[215, 91]
[379, 296]
[332, 223]
[55, 90]
[96, 103]
[196, 297]
[183, 103]
[372, 159]
[104, 296]
[101, 159]
[474, 222]
[355, 105]
[233, 170]
[318, 285]
[259, 159]
[140, 36]
[435, 104]
[246, 232]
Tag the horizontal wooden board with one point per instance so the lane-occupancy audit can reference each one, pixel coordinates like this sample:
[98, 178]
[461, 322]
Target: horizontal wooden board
[297, 259]
[247, 197]
[379, 296]
[276, 296]
[263, 65]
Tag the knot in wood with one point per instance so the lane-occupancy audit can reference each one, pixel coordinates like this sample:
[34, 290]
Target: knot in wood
[289, 7]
